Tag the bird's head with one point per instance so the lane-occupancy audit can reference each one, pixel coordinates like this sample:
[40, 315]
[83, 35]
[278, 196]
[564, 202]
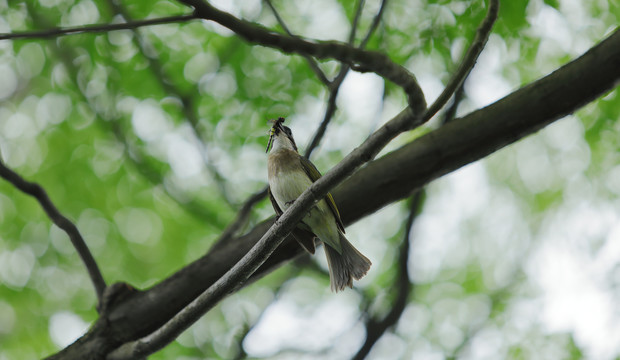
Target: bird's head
[280, 136]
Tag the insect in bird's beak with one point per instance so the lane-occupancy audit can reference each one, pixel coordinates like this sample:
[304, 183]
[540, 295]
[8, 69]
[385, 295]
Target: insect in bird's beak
[272, 132]
[277, 124]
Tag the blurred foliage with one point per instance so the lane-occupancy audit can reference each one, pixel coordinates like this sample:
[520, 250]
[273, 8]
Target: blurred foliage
[150, 140]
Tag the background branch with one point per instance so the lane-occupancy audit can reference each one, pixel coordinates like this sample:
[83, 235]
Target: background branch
[337, 82]
[188, 106]
[363, 59]
[313, 65]
[51, 33]
[36, 191]
[375, 328]
[468, 62]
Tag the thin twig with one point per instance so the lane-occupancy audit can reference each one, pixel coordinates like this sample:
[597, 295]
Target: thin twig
[313, 64]
[468, 62]
[363, 60]
[144, 168]
[450, 113]
[356, 19]
[329, 114]
[35, 190]
[375, 23]
[376, 328]
[335, 86]
[50, 33]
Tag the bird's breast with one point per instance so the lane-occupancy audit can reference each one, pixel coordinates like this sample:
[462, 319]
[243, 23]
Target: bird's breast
[287, 178]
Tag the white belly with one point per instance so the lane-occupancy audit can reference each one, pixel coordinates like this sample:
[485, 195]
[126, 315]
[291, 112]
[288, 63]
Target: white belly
[286, 188]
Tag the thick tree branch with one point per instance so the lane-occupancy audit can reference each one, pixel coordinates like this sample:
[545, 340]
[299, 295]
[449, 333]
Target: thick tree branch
[51, 33]
[35, 190]
[391, 178]
[376, 62]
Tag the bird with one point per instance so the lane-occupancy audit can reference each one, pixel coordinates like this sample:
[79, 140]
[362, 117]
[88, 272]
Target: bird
[289, 175]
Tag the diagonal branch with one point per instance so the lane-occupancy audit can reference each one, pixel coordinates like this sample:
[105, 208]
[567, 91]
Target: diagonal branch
[242, 216]
[373, 61]
[35, 190]
[51, 33]
[375, 23]
[335, 85]
[468, 62]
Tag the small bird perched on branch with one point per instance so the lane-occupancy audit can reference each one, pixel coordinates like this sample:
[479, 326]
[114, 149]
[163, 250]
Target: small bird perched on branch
[290, 174]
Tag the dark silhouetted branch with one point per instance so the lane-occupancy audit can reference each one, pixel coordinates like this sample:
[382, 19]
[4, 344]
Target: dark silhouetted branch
[51, 33]
[362, 60]
[313, 65]
[335, 85]
[376, 328]
[35, 190]
[468, 62]
[375, 23]
[188, 107]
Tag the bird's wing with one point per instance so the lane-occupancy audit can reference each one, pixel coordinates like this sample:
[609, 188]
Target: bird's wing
[314, 175]
[273, 202]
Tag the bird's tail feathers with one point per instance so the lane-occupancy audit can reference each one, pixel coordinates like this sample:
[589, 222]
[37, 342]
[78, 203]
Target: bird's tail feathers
[345, 267]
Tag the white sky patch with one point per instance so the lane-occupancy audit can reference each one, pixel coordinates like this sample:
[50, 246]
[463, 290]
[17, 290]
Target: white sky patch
[8, 85]
[485, 84]
[149, 121]
[16, 266]
[360, 97]
[66, 327]
[320, 19]
[573, 275]
[550, 25]
[184, 158]
[427, 69]
[284, 324]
